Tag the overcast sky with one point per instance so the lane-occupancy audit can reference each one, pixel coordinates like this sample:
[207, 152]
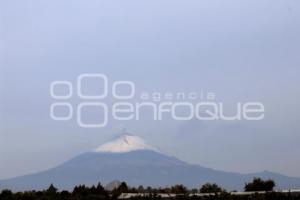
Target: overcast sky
[240, 50]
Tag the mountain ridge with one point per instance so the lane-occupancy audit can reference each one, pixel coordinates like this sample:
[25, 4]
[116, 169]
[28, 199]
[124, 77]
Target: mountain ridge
[137, 166]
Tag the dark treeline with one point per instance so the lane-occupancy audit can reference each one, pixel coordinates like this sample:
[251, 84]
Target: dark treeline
[83, 192]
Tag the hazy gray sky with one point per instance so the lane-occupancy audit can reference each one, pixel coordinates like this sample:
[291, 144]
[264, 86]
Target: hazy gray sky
[241, 50]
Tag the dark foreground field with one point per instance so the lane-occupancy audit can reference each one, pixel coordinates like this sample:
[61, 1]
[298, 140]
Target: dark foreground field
[5, 195]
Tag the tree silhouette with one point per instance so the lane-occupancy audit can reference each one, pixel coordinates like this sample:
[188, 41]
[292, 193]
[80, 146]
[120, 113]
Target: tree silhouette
[123, 187]
[179, 189]
[6, 195]
[51, 189]
[141, 189]
[260, 185]
[211, 188]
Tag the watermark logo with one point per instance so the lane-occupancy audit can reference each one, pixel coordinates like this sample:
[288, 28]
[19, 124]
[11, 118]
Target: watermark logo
[128, 105]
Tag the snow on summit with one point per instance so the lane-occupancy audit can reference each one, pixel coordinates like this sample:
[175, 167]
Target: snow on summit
[125, 143]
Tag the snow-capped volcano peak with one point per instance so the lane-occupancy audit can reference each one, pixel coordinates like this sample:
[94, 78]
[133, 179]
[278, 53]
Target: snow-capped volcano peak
[125, 143]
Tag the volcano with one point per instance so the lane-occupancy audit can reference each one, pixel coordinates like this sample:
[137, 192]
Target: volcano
[129, 158]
